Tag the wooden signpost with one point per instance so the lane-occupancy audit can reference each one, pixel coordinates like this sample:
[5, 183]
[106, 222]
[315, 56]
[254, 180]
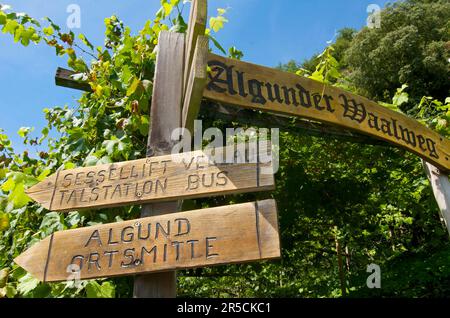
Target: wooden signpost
[223, 235]
[165, 178]
[164, 239]
[165, 115]
[257, 87]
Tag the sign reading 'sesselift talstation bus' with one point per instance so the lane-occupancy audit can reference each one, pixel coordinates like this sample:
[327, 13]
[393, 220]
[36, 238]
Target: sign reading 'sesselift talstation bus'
[230, 234]
[181, 176]
[257, 87]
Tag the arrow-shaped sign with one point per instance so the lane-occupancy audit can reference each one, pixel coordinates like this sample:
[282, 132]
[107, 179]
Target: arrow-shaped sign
[222, 235]
[256, 87]
[181, 176]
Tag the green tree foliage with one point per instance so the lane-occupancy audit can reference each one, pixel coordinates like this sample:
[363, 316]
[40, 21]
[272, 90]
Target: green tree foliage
[411, 47]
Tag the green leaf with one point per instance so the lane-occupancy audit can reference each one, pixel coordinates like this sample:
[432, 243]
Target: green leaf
[217, 44]
[167, 8]
[83, 38]
[78, 65]
[109, 146]
[10, 291]
[317, 76]
[133, 86]
[4, 225]
[334, 73]
[73, 219]
[2, 18]
[8, 185]
[400, 99]
[48, 31]
[69, 165]
[27, 35]
[18, 196]
[104, 160]
[18, 33]
[43, 174]
[3, 277]
[234, 53]
[10, 27]
[217, 23]
[20, 177]
[95, 290]
[26, 284]
[90, 161]
[24, 131]
[160, 14]
[180, 25]
[144, 125]
[52, 222]
[390, 106]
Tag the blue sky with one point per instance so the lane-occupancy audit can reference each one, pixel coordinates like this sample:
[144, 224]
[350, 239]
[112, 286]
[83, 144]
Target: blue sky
[267, 31]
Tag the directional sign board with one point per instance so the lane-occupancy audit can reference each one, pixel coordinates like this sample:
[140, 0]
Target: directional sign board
[257, 87]
[181, 176]
[222, 235]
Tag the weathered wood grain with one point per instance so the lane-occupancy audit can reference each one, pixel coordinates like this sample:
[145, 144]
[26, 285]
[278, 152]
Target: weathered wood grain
[196, 84]
[165, 116]
[441, 188]
[182, 176]
[64, 78]
[257, 87]
[196, 28]
[223, 235]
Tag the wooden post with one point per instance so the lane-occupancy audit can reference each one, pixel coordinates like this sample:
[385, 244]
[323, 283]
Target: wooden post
[196, 84]
[441, 189]
[165, 117]
[196, 28]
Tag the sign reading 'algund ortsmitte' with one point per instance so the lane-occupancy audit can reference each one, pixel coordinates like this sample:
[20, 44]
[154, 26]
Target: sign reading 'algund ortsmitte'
[179, 176]
[252, 86]
[222, 235]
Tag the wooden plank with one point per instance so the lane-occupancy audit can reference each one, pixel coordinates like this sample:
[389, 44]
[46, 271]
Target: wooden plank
[196, 28]
[257, 87]
[165, 116]
[223, 235]
[441, 188]
[196, 84]
[64, 78]
[158, 179]
[249, 116]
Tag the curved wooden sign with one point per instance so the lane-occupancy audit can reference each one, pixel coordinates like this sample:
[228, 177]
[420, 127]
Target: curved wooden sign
[257, 87]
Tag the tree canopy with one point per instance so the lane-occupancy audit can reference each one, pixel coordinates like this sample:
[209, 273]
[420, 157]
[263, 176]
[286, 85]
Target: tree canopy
[411, 47]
